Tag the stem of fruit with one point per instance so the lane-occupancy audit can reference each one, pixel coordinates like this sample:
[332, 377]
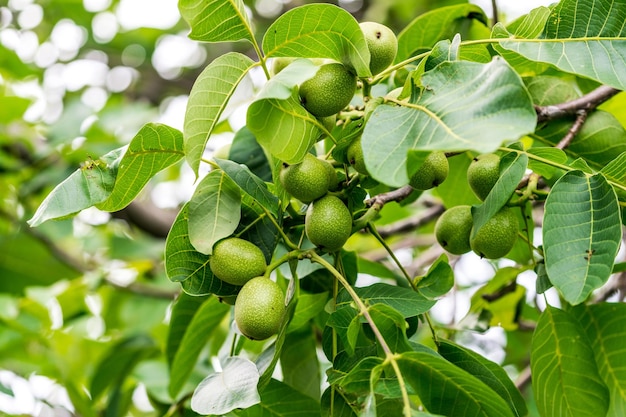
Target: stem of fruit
[294, 254]
[399, 65]
[389, 355]
[285, 238]
[372, 229]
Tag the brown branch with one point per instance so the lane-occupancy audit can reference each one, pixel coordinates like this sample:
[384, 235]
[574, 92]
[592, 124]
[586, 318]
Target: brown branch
[587, 102]
[412, 223]
[494, 12]
[581, 117]
[395, 195]
[147, 217]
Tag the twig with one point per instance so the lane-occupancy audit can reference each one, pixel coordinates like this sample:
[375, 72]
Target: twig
[523, 379]
[395, 195]
[145, 290]
[494, 12]
[412, 223]
[587, 102]
[581, 117]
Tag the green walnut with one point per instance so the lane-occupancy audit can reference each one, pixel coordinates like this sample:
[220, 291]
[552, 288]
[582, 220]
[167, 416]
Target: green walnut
[354, 153]
[497, 237]
[433, 172]
[483, 173]
[328, 223]
[453, 229]
[382, 44]
[236, 261]
[307, 180]
[329, 91]
[259, 308]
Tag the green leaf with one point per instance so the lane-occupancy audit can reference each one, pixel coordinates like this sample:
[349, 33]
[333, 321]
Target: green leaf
[406, 301]
[89, 185]
[543, 157]
[250, 184]
[392, 326]
[308, 307]
[319, 31]
[512, 169]
[117, 364]
[438, 280]
[154, 148]
[584, 37]
[443, 23]
[347, 325]
[357, 380]
[285, 83]
[334, 403]
[199, 331]
[448, 390]
[183, 310]
[246, 150]
[606, 331]
[184, 264]
[280, 400]
[208, 99]
[487, 371]
[453, 113]
[527, 27]
[616, 170]
[257, 227]
[299, 363]
[216, 20]
[283, 127]
[235, 386]
[566, 381]
[581, 234]
[214, 211]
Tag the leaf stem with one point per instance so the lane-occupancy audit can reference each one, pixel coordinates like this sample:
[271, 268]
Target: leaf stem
[372, 229]
[285, 238]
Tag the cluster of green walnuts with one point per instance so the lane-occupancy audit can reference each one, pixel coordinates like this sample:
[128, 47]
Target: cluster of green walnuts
[323, 186]
[496, 238]
[315, 182]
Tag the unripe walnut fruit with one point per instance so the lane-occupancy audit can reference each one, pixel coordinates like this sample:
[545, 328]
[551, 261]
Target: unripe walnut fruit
[382, 44]
[236, 261]
[328, 223]
[431, 173]
[329, 90]
[307, 180]
[453, 229]
[259, 308]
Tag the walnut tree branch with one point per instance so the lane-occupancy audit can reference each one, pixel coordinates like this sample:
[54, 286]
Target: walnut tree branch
[587, 102]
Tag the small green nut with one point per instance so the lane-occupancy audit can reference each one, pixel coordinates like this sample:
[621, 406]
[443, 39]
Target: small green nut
[453, 229]
[328, 223]
[432, 172]
[329, 90]
[382, 44]
[497, 237]
[354, 153]
[307, 180]
[236, 261]
[259, 308]
[483, 173]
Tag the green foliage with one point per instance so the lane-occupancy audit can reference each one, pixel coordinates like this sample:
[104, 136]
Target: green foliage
[338, 309]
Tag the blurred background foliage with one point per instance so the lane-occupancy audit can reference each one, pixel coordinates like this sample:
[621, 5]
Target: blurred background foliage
[84, 301]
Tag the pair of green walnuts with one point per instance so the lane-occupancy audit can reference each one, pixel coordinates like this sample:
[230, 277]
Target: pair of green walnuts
[260, 303]
[496, 238]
